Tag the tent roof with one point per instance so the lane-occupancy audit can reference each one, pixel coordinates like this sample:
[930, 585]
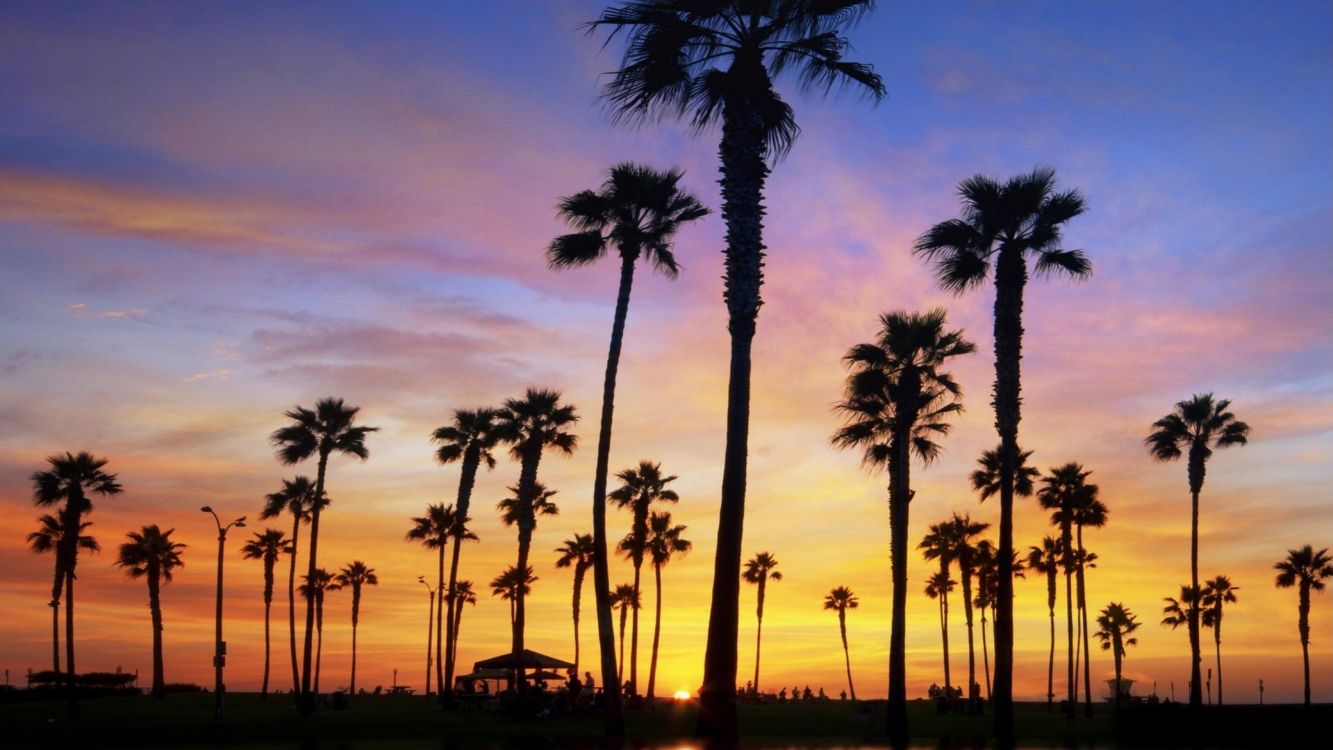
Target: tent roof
[531, 660]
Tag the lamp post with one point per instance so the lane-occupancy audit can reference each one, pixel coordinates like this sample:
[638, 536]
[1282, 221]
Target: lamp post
[220, 646]
[430, 631]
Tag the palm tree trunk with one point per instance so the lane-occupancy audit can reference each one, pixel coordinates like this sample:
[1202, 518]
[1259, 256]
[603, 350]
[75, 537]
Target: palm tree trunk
[319, 649]
[634, 634]
[155, 610]
[356, 612]
[1083, 609]
[900, 496]
[72, 675]
[742, 153]
[527, 492]
[430, 636]
[1196, 657]
[985, 654]
[458, 624]
[1303, 623]
[1118, 661]
[846, 653]
[307, 697]
[467, 479]
[1050, 664]
[55, 632]
[439, 621]
[620, 671]
[1217, 642]
[579, 572]
[268, 608]
[1066, 536]
[291, 604]
[657, 631]
[759, 632]
[944, 625]
[965, 574]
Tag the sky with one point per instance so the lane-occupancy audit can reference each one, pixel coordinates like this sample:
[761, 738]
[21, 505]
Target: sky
[209, 215]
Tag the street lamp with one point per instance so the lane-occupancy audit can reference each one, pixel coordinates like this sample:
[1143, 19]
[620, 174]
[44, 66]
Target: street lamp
[220, 646]
[430, 630]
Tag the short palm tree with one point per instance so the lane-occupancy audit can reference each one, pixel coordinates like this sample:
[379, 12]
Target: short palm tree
[1194, 429]
[665, 541]
[297, 497]
[530, 425]
[1046, 560]
[1181, 611]
[938, 544]
[988, 576]
[623, 599]
[840, 600]
[468, 440]
[463, 594]
[963, 533]
[433, 531]
[1061, 490]
[152, 555]
[70, 482]
[316, 584]
[1216, 592]
[1089, 512]
[1005, 224]
[716, 64]
[938, 587]
[354, 575]
[267, 545]
[640, 488]
[759, 570]
[47, 538]
[576, 553]
[896, 399]
[509, 586]
[1305, 569]
[1115, 624]
[320, 432]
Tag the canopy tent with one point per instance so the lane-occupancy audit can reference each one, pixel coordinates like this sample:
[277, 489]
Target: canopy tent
[530, 660]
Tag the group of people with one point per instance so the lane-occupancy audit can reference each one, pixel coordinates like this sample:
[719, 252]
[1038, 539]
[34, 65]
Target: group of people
[798, 695]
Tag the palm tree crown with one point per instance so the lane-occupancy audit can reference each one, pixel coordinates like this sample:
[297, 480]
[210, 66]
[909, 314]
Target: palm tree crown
[1115, 623]
[665, 539]
[50, 532]
[575, 552]
[1197, 425]
[841, 599]
[1304, 567]
[150, 551]
[537, 420]
[986, 479]
[513, 510]
[473, 430]
[267, 545]
[354, 575]
[324, 430]
[1178, 612]
[71, 478]
[761, 567]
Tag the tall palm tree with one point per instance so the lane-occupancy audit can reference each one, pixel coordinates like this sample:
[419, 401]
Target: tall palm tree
[577, 552]
[1115, 624]
[327, 429]
[1305, 569]
[1194, 429]
[623, 599]
[1216, 592]
[463, 594]
[896, 399]
[152, 555]
[470, 440]
[1089, 512]
[840, 600]
[1061, 490]
[529, 425]
[1005, 224]
[354, 575]
[963, 533]
[759, 570]
[510, 585]
[665, 541]
[267, 545]
[716, 64]
[47, 538]
[1046, 560]
[938, 544]
[316, 584]
[71, 480]
[434, 531]
[297, 497]
[637, 212]
[639, 489]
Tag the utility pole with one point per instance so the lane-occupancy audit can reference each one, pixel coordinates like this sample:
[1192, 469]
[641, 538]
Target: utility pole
[219, 645]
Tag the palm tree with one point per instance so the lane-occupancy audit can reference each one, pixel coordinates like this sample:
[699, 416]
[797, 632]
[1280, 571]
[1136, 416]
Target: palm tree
[47, 538]
[354, 575]
[988, 576]
[433, 531]
[267, 546]
[759, 570]
[1114, 624]
[1194, 429]
[529, 425]
[313, 589]
[1005, 224]
[665, 541]
[321, 432]
[70, 480]
[1046, 560]
[463, 594]
[509, 586]
[896, 399]
[577, 552]
[297, 497]
[152, 555]
[716, 63]
[1088, 511]
[623, 599]
[1307, 570]
[938, 587]
[938, 544]
[963, 531]
[840, 600]
[1061, 490]
[639, 489]
[1216, 592]
[469, 439]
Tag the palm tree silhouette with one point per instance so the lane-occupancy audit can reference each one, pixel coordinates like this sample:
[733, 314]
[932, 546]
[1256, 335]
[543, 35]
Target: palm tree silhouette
[719, 66]
[1088, 511]
[354, 575]
[664, 542]
[469, 439]
[896, 400]
[938, 544]
[463, 594]
[1046, 560]
[1305, 569]
[316, 583]
[963, 530]
[297, 497]
[267, 546]
[1194, 429]
[988, 577]
[434, 531]
[47, 538]
[70, 480]
[152, 555]
[529, 425]
[840, 600]
[576, 552]
[1114, 624]
[639, 489]
[623, 599]
[1216, 592]
[1061, 490]
[759, 570]
[1002, 225]
[509, 586]
[1182, 611]
[321, 432]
